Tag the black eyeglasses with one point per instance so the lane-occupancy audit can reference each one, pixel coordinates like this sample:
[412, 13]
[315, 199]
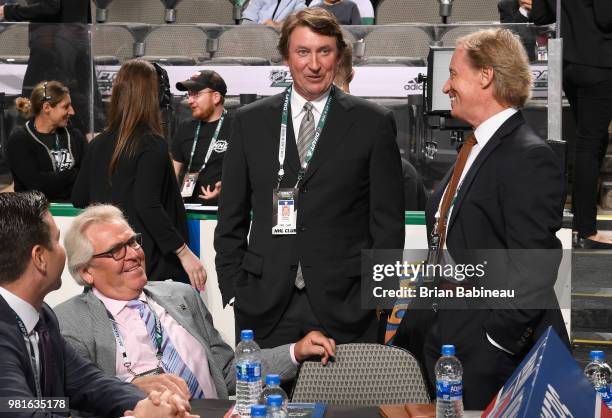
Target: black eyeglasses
[46, 97]
[119, 251]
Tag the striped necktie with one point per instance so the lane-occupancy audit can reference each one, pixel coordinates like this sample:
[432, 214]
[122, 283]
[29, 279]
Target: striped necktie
[306, 133]
[171, 360]
[305, 137]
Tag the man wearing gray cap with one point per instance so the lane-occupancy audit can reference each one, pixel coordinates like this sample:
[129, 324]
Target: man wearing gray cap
[199, 144]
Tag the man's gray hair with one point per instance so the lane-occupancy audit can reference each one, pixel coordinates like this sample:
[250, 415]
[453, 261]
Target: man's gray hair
[79, 249]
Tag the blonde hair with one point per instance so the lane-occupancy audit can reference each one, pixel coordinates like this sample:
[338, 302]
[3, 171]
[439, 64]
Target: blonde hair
[52, 92]
[501, 50]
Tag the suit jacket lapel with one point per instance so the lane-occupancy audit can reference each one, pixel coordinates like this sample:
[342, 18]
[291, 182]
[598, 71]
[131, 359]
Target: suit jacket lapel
[338, 122]
[184, 313]
[177, 308]
[504, 130]
[273, 122]
[106, 346]
[8, 320]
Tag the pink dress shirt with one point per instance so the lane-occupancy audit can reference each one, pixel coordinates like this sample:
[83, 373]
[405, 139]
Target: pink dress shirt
[140, 350]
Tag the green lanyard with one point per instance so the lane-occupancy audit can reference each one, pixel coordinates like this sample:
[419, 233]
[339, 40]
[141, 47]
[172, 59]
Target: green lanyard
[282, 147]
[213, 141]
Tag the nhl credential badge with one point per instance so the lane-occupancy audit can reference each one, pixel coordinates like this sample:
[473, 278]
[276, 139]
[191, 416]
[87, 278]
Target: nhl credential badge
[220, 146]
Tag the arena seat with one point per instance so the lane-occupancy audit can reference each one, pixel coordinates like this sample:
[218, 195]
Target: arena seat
[142, 11]
[14, 47]
[396, 45]
[247, 45]
[176, 45]
[205, 11]
[111, 44]
[404, 11]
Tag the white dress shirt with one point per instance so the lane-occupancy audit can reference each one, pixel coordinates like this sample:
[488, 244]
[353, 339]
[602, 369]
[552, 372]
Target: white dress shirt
[297, 109]
[29, 316]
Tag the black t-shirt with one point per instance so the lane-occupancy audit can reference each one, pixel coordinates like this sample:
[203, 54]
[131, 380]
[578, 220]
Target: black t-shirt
[45, 162]
[182, 144]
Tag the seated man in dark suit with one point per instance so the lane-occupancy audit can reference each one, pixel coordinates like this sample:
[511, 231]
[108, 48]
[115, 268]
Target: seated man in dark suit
[35, 360]
[117, 317]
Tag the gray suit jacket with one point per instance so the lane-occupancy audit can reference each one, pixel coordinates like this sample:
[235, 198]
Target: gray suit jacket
[85, 324]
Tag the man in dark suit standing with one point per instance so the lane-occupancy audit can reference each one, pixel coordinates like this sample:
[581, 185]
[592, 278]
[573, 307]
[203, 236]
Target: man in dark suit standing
[506, 194]
[337, 169]
[35, 359]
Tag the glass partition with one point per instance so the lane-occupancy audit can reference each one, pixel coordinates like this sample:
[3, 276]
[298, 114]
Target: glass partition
[387, 59]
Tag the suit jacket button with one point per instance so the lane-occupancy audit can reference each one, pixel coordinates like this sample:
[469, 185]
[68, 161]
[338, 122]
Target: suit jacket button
[294, 267]
[302, 228]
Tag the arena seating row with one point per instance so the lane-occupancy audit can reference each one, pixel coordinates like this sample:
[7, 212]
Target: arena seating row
[225, 12]
[193, 44]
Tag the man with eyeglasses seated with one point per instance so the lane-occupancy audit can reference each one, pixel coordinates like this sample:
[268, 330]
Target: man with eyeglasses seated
[199, 145]
[35, 361]
[157, 335]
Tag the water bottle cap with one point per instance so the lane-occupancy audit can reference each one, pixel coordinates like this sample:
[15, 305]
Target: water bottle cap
[258, 411]
[246, 334]
[448, 350]
[596, 355]
[275, 400]
[272, 379]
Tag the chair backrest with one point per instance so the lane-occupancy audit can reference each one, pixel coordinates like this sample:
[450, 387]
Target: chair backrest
[249, 41]
[365, 375]
[405, 11]
[474, 11]
[176, 41]
[397, 41]
[14, 41]
[143, 11]
[205, 11]
[111, 41]
[449, 38]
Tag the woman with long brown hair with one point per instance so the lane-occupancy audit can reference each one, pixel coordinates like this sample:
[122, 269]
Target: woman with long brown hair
[129, 166]
[45, 154]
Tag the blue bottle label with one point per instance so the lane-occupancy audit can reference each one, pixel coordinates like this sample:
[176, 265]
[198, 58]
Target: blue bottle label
[248, 372]
[449, 390]
[605, 392]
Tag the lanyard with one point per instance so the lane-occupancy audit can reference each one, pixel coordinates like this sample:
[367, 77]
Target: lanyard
[121, 345]
[282, 147]
[213, 141]
[57, 145]
[26, 335]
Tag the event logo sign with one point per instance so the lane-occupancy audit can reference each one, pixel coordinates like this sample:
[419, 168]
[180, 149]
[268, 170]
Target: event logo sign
[548, 383]
[280, 78]
[413, 85]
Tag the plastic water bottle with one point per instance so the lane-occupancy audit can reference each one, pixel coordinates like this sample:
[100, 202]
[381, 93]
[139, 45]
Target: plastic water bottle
[599, 374]
[273, 388]
[248, 373]
[275, 407]
[258, 411]
[449, 384]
